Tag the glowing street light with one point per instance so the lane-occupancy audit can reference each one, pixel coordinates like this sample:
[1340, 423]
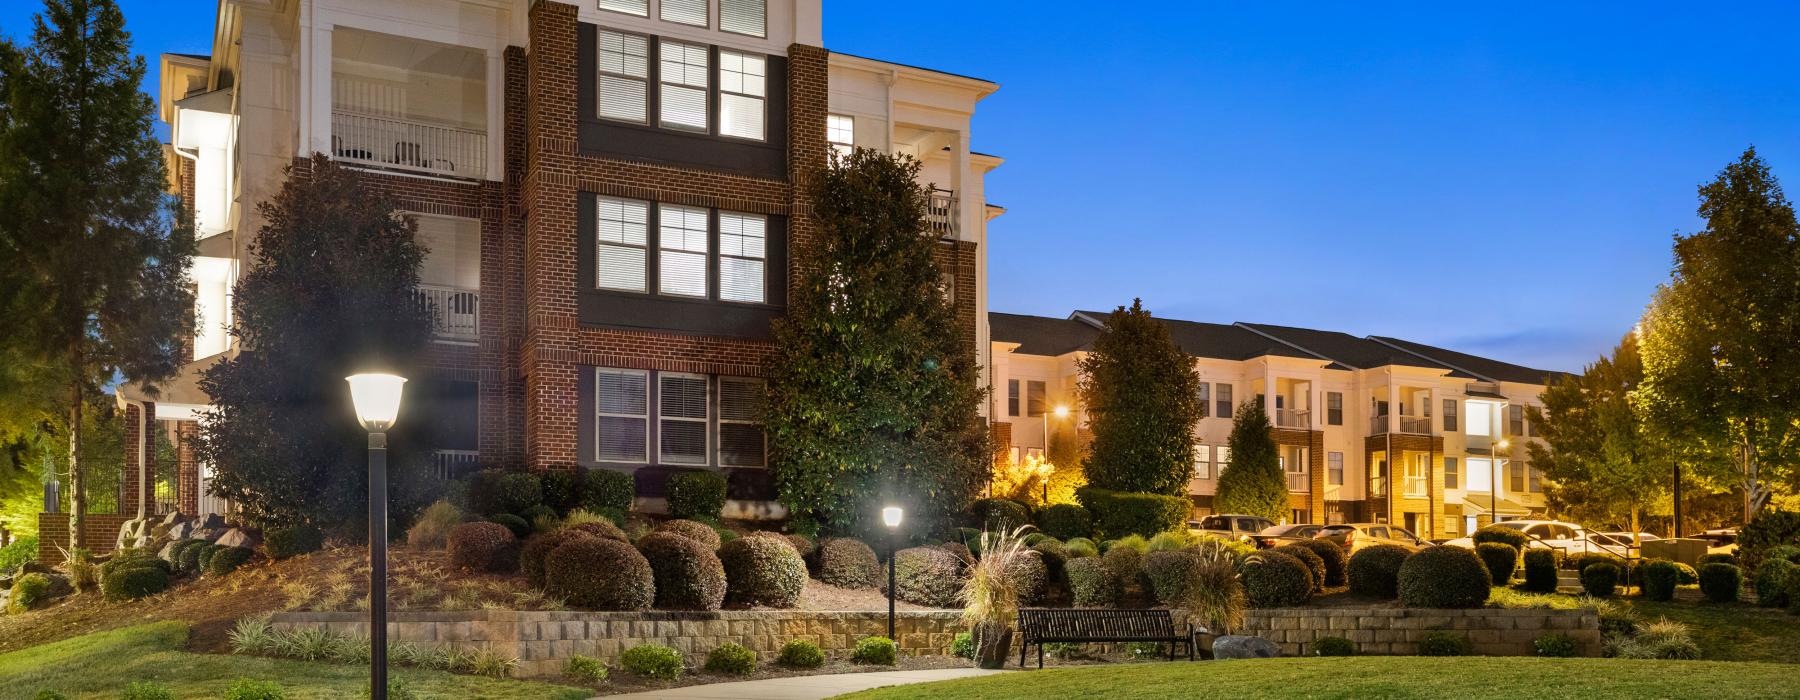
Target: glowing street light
[376, 397]
[891, 516]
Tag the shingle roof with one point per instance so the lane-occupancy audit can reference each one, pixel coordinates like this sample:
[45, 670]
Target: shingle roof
[1485, 367]
[1217, 341]
[1041, 335]
[1343, 348]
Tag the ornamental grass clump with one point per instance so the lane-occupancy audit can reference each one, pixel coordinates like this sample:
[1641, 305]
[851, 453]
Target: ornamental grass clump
[990, 595]
[432, 529]
[1213, 596]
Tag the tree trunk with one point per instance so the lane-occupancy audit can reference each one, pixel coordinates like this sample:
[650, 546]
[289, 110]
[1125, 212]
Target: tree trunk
[77, 485]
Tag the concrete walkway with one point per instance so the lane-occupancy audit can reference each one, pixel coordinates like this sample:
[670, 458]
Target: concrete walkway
[805, 687]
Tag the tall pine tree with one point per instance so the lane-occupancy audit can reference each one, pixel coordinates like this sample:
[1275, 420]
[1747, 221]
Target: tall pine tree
[94, 285]
[874, 395]
[1141, 394]
[1253, 483]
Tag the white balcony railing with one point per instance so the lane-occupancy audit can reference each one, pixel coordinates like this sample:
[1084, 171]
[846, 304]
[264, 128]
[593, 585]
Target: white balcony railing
[1293, 418]
[1415, 487]
[453, 464]
[1409, 425]
[397, 143]
[455, 312]
[941, 213]
[1299, 482]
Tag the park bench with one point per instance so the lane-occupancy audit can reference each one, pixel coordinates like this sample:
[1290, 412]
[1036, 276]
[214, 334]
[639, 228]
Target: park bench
[1042, 626]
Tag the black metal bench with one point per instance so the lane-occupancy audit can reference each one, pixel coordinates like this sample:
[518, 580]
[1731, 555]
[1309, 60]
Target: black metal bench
[1042, 626]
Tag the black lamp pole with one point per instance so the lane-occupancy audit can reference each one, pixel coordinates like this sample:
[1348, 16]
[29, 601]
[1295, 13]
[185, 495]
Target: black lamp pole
[378, 539]
[891, 586]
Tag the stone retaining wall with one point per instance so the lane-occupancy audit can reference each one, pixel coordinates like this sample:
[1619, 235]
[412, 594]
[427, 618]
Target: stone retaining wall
[1399, 630]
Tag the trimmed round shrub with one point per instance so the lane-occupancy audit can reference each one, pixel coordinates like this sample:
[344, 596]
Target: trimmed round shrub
[597, 574]
[584, 669]
[602, 529]
[533, 552]
[483, 546]
[1773, 581]
[1579, 561]
[28, 591]
[1121, 513]
[1335, 558]
[1275, 580]
[1768, 529]
[1445, 642]
[1065, 521]
[802, 544]
[1658, 579]
[1500, 559]
[652, 661]
[1000, 514]
[1720, 582]
[962, 646]
[1333, 646]
[763, 571]
[693, 530]
[1375, 571]
[228, 559]
[958, 550]
[1028, 574]
[697, 494]
[1504, 535]
[561, 490]
[848, 563]
[879, 651]
[1315, 564]
[1540, 571]
[132, 582]
[1055, 554]
[1091, 584]
[1718, 558]
[188, 558]
[1168, 573]
[206, 554]
[927, 576]
[1600, 579]
[799, 653]
[520, 527]
[1554, 645]
[688, 575]
[285, 542]
[1126, 562]
[607, 491]
[731, 658]
[1444, 577]
[1082, 547]
[1686, 575]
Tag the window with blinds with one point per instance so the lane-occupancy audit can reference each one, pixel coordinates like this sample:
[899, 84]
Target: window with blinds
[840, 132]
[684, 12]
[622, 408]
[640, 8]
[682, 74]
[624, 76]
[741, 256]
[621, 245]
[1334, 468]
[682, 250]
[1203, 461]
[744, 17]
[741, 442]
[742, 87]
[683, 411]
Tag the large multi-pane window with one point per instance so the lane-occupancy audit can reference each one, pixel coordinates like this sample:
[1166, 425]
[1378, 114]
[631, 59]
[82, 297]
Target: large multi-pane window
[1222, 457]
[741, 440]
[684, 12]
[742, 251]
[742, 87]
[744, 17]
[1450, 415]
[1515, 472]
[1334, 468]
[684, 409]
[621, 245]
[1223, 410]
[688, 97]
[840, 132]
[624, 76]
[681, 253]
[682, 77]
[1203, 461]
[1035, 394]
[682, 248]
[622, 406]
[1334, 408]
[698, 420]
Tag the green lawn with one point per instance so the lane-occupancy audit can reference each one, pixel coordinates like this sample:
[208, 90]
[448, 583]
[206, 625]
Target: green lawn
[1733, 632]
[1374, 676]
[99, 665]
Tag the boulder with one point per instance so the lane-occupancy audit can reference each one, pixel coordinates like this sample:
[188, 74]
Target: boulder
[175, 518]
[182, 530]
[208, 534]
[35, 567]
[1241, 647]
[167, 553]
[240, 537]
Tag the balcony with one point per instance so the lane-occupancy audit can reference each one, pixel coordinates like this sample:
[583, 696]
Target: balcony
[1409, 425]
[941, 214]
[1415, 487]
[408, 145]
[455, 312]
[453, 464]
[1293, 418]
[1299, 482]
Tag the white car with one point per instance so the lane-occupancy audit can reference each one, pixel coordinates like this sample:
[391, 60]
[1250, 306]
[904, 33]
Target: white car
[1568, 538]
[1622, 539]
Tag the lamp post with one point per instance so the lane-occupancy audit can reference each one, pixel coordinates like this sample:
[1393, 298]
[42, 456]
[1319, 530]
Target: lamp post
[1494, 481]
[1061, 412]
[890, 516]
[377, 400]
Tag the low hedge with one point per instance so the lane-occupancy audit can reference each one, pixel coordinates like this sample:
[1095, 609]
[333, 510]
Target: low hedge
[1275, 580]
[1091, 584]
[562, 489]
[483, 546]
[520, 527]
[1000, 514]
[688, 575]
[799, 653]
[607, 491]
[1120, 513]
[131, 582]
[1333, 646]
[1444, 577]
[653, 661]
[1168, 573]
[496, 491]
[848, 563]
[1540, 571]
[1718, 558]
[206, 554]
[1335, 558]
[697, 494]
[879, 651]
[228, 559]
[1772, 582]
[1658, 579]
[598, 574]
[731, 658]
[1315, 564]
[1600, 579]
[1500, 558]
[536, 549]
[927, 576]
[1065, 520]
[1720, 582]
[1375, 571]
[1029, 576]
[187, 558]
[693, 530]
[762, 571]
[1502, 534]
[285, 542]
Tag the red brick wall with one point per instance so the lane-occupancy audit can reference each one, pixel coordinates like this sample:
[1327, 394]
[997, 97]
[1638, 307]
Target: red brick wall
[187, 473]
[140, 443]
[101, 533]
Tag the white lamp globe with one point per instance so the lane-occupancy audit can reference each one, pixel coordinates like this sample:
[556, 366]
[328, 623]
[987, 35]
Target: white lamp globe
[891, 516]
[377, 398]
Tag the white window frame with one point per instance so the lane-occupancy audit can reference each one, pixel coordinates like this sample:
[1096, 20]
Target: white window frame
[1422, 479]
[740, 241]
[762, 30]
[705, 12]
[1334, 468]
[1203, 462]
[601, 244]
[643, 81]
[664, 251]
[706, 450]
[664, 85]
[1221, 459]
[840, 132]
[642, 7]
[746, 81]
[647, 376]
[719, 447]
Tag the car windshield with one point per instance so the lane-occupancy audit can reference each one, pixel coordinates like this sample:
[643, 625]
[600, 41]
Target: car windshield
[1514, 525]
[1215, 522]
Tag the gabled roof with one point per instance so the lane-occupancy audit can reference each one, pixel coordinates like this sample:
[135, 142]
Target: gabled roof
[1482, 367]
[1041, 335]
[1345, 349]
[1214, 340]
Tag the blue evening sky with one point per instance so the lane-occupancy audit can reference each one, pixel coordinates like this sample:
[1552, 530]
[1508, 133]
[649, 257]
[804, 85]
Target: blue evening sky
[1498, 181]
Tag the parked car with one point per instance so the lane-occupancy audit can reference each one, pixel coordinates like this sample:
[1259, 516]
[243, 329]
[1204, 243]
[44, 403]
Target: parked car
[1566, 537]
[1357, 536]
[1622, 539]
[1284, 534]
[1233, 527]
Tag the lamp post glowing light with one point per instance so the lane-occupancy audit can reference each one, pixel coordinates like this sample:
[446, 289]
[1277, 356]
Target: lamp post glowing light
[1061, 412]
[376, 397]
[891, 516]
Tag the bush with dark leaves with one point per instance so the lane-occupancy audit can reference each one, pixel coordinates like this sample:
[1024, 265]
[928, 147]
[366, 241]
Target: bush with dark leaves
[597, 574]
[688, 575]
[1375, 571]
[483, 546]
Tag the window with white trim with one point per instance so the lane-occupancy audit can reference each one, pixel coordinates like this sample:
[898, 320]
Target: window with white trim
[1450, 471]
[840, 132]
[622, 408]
[683, 412]
[640, 8]
[742, 250]
[742, 87]
[1203, 461]
[682, 250]
[1223, 460]
[624, 76]
[741, 439]
[1204, 395]
[682, 77]
[1334, 468]
[621, 243]
[684, 12]
[749, 17]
